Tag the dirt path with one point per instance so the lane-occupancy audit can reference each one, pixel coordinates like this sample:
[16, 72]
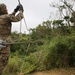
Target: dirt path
[70, 71]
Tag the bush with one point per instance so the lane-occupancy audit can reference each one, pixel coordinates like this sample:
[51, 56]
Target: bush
[17, 64]
[61, 52]
[13, 66]
[27, 68]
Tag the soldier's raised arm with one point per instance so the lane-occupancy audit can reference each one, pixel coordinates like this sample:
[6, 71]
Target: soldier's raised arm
[15, 18]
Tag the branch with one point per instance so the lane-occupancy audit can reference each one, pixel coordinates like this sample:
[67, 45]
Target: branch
[67, 5]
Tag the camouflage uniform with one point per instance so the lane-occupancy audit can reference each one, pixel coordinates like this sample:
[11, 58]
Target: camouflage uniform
[5, 31]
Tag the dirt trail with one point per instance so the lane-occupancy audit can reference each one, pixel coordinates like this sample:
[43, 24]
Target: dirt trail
[70, 71]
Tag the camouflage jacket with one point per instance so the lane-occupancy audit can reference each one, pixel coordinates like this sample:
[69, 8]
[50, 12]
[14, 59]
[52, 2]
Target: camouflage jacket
[5, 22]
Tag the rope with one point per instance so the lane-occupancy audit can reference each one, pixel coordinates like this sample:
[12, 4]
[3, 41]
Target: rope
[24, 20]
[20, 25]
[25, 24]
[19, 1]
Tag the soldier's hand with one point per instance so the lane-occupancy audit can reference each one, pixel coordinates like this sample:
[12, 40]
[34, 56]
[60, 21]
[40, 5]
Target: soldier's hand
[21, 8]
[17, 8]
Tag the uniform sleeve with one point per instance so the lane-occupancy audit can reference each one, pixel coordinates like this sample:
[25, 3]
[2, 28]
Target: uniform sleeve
[16, 18]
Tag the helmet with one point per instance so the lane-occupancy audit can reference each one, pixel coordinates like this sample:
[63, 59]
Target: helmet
[3, 9]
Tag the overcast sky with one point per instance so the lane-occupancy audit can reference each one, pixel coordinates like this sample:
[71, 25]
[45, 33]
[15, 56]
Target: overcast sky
[35, 12]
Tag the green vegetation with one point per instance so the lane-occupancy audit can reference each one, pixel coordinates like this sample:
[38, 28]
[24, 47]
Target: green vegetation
[43, 52]
[49, 45]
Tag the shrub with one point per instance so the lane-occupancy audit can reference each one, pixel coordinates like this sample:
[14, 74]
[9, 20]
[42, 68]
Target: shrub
[61, 52]
[13, 66]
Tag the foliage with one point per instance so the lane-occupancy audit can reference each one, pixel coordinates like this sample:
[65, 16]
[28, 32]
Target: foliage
[60, 49]
[13, 66]
[49, 45]
[40, 32]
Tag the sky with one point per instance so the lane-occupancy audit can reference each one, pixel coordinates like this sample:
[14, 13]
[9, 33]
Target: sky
[35, 12]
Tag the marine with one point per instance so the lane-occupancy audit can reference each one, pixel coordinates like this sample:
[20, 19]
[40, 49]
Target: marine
[5, 31]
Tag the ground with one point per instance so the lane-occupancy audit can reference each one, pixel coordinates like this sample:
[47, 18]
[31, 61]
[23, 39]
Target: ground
[69, 71]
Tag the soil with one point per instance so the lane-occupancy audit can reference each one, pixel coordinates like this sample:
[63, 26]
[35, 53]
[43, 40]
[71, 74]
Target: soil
[69, 71]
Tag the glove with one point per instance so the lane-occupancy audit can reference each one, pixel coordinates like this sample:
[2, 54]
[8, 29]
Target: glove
[2, 41]
[21, 8]
[1, 44]
[17, 8]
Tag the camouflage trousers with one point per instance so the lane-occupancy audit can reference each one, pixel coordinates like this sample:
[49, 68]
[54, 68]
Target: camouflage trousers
[4, 56]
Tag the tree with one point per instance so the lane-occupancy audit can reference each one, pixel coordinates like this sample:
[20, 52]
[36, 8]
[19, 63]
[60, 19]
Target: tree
[65, 8]
[47, 23]
[57, 23]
